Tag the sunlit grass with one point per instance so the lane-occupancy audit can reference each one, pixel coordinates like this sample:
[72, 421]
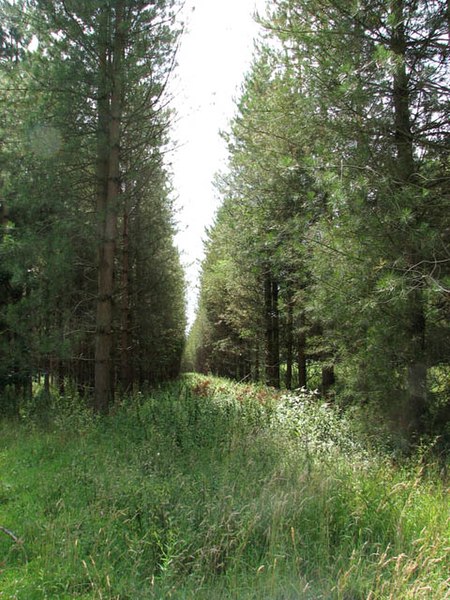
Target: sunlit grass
[207, 489]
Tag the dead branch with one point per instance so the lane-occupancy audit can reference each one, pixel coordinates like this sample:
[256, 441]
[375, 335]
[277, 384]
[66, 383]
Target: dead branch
[12, 535]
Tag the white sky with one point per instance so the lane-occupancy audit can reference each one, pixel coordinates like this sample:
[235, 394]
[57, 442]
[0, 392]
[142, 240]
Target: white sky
[215, 53]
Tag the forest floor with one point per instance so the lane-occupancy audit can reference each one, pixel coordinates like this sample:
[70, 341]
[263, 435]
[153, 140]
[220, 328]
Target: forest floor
[211, 490]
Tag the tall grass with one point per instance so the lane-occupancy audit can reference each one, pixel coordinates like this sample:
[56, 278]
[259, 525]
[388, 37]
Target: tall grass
[210, 490]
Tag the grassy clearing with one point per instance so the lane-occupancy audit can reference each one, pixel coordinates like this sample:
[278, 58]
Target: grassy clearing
[211, 490]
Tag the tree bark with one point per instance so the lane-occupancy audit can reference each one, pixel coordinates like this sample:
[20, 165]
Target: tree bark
[104, 384]
[289, 342]
[102, 350]
[417, 367]
[126, 377]
[272, 332]
[301, 353]
[416, 373]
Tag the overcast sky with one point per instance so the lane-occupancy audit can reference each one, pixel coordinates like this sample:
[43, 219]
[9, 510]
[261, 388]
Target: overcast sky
[215, 53]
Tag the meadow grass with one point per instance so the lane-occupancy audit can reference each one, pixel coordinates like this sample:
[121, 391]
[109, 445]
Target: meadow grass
[211, 490]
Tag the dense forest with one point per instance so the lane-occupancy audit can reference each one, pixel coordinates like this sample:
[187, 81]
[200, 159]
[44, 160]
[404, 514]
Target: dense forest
[304, 452]
[92, 289]
[328, 265]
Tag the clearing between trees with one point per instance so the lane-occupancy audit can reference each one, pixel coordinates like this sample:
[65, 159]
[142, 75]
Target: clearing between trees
[210, 489]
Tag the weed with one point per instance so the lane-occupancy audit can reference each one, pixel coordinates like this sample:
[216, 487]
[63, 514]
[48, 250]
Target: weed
[209, 489]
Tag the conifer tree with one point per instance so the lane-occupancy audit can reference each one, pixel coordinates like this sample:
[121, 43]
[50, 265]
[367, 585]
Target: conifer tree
[337, 178]
[85, 167]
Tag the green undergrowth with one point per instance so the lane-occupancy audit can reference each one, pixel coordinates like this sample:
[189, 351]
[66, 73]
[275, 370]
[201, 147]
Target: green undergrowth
[211, 490]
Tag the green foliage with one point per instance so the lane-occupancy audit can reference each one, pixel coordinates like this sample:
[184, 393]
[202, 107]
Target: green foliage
[49, 235]
[335, 192]
[210, 489]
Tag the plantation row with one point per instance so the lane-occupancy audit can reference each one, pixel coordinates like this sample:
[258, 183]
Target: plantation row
[329, 251]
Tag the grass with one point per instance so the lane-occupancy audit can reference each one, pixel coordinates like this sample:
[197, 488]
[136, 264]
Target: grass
[211, 490]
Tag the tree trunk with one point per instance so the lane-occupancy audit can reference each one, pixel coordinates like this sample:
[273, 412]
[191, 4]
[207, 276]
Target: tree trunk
[416, 378]
[60, 377]
[401, 98]
[47, 380]
[256, 373]
[102, 351]
[417, 368]
[272, 332]
[104, 340]
[126, 377]
[301, 353]
[448, 22]
[289, 342]
[328, 378]
[3, 216]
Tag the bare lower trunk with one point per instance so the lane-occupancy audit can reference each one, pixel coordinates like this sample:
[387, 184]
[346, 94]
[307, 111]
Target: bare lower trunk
[289, 343]
[125, 358]
[417, 368]
[301, 353]
[103, 347]
[272, 332]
